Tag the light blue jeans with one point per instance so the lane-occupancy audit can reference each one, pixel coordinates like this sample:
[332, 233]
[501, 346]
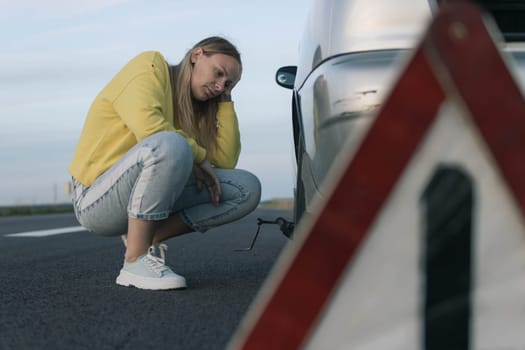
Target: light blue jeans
[154, 180]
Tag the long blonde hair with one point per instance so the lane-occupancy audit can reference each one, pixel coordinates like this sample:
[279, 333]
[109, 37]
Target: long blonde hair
[198, 118]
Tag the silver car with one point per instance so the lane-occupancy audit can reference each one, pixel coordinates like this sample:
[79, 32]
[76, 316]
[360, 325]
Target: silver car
[350, 54]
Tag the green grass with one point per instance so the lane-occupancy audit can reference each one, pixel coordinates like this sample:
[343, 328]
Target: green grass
[278, 203]
[39, 209]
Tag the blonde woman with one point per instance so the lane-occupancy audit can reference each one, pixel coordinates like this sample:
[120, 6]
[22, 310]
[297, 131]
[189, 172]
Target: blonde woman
[154, 137]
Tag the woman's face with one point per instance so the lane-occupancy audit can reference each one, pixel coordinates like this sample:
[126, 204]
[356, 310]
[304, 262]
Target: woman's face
[213, 75]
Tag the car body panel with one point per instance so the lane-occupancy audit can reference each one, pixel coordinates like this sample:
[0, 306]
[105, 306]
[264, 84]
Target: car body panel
[351, 53]
[335, 27]
[338, 102]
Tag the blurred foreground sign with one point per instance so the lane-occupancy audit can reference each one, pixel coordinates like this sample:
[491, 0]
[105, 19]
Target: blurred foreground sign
[421, 244]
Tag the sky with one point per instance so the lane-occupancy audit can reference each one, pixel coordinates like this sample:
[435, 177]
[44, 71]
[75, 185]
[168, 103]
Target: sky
[56, 55]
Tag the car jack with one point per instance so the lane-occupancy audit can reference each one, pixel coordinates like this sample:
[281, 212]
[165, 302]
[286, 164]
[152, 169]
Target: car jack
[285, 226]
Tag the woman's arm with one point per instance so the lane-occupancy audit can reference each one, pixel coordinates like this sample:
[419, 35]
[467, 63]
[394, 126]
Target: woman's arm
[228, 137]
[140, 106]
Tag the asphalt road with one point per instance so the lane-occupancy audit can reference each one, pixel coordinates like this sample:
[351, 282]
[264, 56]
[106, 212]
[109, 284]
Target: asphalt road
[59, 291]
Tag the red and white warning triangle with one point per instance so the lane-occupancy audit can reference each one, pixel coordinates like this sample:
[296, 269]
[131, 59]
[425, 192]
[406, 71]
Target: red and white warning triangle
[421, 244]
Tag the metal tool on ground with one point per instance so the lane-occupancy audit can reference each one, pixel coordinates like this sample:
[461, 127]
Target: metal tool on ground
[286, 227]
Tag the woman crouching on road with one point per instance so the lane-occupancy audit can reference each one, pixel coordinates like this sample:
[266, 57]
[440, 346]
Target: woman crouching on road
[153, 138]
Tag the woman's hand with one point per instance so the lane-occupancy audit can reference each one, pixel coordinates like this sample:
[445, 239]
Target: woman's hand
[205, 174]
[226, 95]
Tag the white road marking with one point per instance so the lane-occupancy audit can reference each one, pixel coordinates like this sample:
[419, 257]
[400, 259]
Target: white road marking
[43, 233]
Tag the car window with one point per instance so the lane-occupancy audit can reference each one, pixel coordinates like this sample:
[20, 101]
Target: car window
[508, 15]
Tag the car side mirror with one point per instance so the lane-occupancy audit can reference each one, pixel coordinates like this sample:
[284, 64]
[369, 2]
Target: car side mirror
[285, 76]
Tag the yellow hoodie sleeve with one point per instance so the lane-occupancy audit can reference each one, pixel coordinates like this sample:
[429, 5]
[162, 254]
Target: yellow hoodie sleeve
[228, 137]
[139, 105]
[199, 152]
[141, 109]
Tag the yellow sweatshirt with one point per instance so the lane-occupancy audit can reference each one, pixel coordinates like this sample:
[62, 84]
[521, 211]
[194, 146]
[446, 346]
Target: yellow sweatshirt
[137, 103]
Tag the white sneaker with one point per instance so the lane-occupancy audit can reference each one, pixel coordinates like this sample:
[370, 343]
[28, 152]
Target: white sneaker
[149, 272]
[163, 248]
